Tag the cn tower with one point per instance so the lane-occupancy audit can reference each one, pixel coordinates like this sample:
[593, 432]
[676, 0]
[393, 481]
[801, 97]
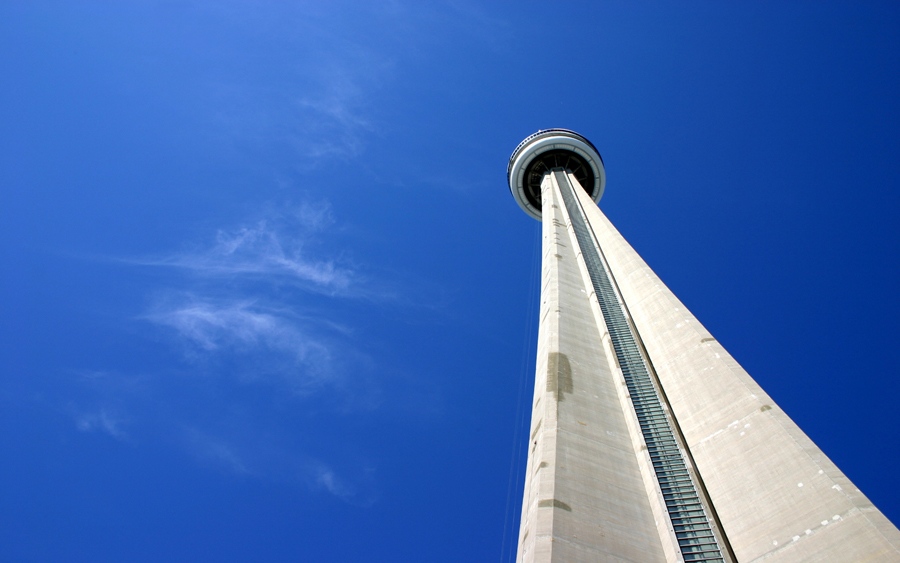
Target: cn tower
[648, 441]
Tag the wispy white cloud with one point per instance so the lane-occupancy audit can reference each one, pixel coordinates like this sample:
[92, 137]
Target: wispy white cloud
[214, 326]
[321, 108]
[231, 305]
[257, 343]
[326, 89]
[101, 421]
[331, 117]
[274, 248]
[262, 313]
[215, 450]
[325, 478]
[276, 462]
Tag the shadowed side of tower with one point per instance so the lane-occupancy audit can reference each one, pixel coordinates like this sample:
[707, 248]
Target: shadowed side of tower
[648, 441]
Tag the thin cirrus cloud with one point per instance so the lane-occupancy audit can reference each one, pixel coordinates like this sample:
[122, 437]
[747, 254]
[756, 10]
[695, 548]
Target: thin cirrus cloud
[213, 326]
[360, 491]
[273, 249]
[229, 303]
[253, 307]
[215, 450]
[322, 108]
[271, 344]
[326, 478]
[335, 112]
[101, 421]
[279, 463]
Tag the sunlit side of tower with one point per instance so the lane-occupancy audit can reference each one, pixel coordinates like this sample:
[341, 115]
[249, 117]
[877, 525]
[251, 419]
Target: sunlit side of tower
[648, 442]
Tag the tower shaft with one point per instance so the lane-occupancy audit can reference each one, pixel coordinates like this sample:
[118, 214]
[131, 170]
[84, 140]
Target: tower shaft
[585, 498]
[648, 442]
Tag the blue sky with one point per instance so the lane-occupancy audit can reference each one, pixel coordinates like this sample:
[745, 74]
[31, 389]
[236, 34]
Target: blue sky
[266, 295]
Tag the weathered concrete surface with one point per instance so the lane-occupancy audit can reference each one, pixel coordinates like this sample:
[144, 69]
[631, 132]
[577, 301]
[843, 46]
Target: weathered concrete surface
[585, 499]
[780, 499]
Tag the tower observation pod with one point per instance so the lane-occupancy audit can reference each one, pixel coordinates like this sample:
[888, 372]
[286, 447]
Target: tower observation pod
[648, 441]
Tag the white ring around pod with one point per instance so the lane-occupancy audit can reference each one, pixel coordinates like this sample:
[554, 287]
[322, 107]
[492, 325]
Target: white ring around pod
[555, 142]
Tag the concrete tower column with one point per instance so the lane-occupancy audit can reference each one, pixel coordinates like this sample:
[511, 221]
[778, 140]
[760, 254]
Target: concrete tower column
[648, 442]
[585, 498]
